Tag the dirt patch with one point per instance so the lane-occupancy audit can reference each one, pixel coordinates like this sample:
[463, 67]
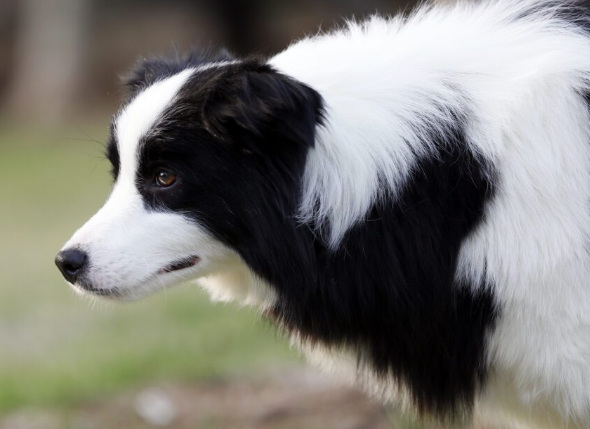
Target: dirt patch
[292, 400]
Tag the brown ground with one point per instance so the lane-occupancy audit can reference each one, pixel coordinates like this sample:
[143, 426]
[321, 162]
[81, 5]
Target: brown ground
[299, 399]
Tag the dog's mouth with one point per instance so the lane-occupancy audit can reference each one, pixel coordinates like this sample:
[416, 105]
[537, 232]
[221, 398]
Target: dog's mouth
[180, 264]
[84, 286]
[125, 293]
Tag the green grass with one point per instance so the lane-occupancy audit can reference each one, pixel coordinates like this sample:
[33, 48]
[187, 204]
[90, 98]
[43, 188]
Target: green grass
[56, 349]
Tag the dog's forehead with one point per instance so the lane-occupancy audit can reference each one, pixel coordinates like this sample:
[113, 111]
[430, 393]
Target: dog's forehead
[142, 114]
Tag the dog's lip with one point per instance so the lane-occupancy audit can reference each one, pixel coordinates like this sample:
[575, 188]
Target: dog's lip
[89, 289]
[180, 264]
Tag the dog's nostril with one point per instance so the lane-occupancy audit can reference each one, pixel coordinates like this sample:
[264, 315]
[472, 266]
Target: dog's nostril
[71, 263]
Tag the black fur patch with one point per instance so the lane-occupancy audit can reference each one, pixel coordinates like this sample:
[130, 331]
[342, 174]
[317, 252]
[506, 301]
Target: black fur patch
[572, 11]
[238, 138]
[389, 292]
[149, 70]
[578, 12]
[112, 152]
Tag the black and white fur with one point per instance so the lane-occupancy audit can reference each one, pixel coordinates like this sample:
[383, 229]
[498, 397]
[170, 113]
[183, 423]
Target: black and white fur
[407, 198]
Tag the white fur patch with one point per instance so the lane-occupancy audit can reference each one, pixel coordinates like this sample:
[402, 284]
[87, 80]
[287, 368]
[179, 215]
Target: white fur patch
[377, 115]
[141, 115]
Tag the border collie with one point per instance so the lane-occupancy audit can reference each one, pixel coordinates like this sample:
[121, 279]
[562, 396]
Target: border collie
[407, 198]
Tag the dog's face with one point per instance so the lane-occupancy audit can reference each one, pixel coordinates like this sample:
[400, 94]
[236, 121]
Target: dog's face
[205, 160]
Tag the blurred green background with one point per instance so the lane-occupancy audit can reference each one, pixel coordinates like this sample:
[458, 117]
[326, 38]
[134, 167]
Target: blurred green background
[67, 362]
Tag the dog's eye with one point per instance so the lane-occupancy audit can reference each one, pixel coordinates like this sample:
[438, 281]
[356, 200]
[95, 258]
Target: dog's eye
[165, 178]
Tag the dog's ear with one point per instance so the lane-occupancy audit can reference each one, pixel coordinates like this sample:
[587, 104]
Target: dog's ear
[150, 70]
[252, 97]
[146, 72]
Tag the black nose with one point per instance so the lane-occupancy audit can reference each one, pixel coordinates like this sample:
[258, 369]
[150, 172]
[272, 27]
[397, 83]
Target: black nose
[71, 263]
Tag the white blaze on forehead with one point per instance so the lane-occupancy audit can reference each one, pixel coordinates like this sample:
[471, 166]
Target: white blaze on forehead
[141, 115]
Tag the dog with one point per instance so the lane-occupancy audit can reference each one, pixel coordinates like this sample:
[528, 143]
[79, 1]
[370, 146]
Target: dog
[407, 198]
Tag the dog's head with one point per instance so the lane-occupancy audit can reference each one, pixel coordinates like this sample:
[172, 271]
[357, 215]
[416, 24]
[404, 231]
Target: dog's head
[207, 161]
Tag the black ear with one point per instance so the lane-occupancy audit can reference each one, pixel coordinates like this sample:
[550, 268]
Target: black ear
[253, 98]
[149, 70]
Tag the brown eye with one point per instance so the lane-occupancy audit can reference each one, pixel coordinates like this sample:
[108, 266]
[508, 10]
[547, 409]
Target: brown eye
[165, 179]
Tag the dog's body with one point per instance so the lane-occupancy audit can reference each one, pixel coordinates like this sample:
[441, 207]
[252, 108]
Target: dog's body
[406, 198]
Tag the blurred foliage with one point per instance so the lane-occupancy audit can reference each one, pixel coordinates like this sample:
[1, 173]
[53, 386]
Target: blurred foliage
[61, 59]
